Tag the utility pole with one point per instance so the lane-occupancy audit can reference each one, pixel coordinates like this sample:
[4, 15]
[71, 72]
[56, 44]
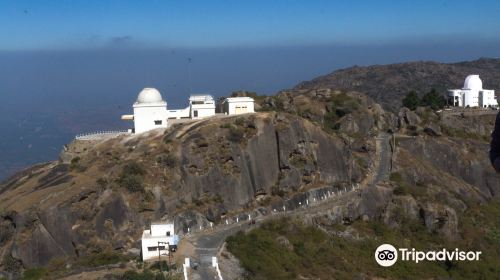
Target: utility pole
[393, 150]
[159, 255]
[351, 162]
[189, 60]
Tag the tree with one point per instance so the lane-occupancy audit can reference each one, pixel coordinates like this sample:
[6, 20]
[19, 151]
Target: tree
[433, 99]
[411, 100]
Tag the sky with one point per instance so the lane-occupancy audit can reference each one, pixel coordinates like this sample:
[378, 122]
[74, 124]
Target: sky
[64, 24]
[70, 67]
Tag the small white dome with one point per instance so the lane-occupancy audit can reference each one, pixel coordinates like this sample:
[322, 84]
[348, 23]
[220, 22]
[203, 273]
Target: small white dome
[473, 82]
[149, 95]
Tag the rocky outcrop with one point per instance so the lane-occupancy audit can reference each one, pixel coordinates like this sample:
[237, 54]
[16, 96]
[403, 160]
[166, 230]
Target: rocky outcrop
[285, 152]
[194, 175]
[408, 119]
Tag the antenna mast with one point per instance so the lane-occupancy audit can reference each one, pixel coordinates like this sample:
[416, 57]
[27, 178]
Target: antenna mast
[189, 74]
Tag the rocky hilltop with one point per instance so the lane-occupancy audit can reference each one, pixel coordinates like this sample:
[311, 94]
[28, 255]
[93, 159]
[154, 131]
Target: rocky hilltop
[388, 84]
[427, 167]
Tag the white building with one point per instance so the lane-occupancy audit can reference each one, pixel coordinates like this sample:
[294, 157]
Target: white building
[160, 240]
[150, 111]
[200, 106]
[472, 94]
[238, 105]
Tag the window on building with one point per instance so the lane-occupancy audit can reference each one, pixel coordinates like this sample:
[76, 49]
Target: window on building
[168, 233]
[195, 113]
[155, 248]
[158, 122]
[198, 102]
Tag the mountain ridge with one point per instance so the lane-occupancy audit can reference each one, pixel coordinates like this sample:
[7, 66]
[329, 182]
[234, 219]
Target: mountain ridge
[387, 84]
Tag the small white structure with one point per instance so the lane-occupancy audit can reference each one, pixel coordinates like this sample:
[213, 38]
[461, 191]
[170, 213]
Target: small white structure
[238, 105]
[150, 111]
[200, 106]
[160, 240]
[472, 94]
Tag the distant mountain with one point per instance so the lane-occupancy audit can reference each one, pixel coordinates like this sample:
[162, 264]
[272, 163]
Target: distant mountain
[388, 84]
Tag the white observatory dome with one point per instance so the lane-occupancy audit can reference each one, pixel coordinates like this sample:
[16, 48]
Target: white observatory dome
[473, 82]
[149, 95]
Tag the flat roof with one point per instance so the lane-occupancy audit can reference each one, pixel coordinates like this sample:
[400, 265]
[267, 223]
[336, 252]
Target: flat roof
[241, 98]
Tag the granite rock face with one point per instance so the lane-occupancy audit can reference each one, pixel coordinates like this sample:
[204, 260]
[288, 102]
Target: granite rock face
[194, 175]
[197, 173]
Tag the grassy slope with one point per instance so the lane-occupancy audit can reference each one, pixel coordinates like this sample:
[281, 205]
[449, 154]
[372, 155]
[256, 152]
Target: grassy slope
[315, 253]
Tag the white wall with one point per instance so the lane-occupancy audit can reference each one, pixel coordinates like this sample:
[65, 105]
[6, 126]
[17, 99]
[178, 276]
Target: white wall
[162, 229]
[233, 110]
[153, 242]
[179, 113]
[146, 115]
[204, 110]
[488, 98]
[238, 105]
[470, 98]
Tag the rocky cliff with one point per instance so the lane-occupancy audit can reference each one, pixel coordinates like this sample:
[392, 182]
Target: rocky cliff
[101, 195]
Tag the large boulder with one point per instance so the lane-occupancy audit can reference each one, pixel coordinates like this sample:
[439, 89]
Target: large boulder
[408, 118]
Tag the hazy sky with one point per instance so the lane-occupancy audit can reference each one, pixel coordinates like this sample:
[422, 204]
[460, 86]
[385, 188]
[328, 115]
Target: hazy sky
[61, 24]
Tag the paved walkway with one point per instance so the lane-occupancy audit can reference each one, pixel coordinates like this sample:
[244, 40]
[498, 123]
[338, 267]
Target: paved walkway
[208, 242]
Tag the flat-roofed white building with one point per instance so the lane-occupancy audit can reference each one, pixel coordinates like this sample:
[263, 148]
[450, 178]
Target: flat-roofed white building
[160, 240]
[201, 106]
[238, 105]
[472, 94]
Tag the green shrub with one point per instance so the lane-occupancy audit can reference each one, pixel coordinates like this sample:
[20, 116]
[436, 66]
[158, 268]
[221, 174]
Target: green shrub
[411, 100]
[35, 273]
[147, 275]
[433, 99]
[100, 259]
[10, 264]
[132, 177]
[133, 183]
[399, 190]
[240, 121]
[277, 191]
[168, 160]
[236, 134]
[75, 160]
[133, 168]
[163, 266]
[76, 164]
[340, 105]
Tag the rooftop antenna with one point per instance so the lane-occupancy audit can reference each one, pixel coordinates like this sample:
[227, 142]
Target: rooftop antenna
[189, 60]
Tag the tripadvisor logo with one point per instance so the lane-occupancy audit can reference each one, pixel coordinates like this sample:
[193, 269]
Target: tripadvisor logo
[387, 255]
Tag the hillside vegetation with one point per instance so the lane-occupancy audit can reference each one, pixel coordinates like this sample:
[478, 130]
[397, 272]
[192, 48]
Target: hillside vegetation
[285, 249]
